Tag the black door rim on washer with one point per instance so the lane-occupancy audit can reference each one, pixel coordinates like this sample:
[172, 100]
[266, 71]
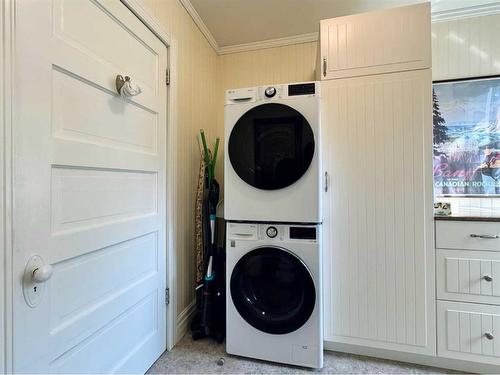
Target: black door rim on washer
[271, 146]
[272, 290]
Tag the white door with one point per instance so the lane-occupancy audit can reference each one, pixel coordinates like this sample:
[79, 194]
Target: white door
[89, 186]
[378, 220]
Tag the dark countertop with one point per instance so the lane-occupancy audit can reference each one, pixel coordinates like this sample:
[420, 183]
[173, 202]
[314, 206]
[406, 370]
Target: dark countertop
[467, 218]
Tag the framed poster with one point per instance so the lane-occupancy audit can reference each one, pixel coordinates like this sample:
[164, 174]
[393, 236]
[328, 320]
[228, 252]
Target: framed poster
[466, 131]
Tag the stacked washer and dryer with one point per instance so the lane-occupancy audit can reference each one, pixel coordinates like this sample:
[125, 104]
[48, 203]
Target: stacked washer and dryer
[272, 207]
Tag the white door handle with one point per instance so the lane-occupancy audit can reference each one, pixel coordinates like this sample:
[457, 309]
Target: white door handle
[125, 88]
[43, 273]
[35, 277]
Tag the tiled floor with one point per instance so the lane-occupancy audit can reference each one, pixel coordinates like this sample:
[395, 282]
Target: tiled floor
[201, 357]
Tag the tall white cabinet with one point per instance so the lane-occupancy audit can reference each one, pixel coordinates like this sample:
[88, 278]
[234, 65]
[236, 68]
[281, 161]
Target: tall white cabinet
[378, 219]
[378, 211]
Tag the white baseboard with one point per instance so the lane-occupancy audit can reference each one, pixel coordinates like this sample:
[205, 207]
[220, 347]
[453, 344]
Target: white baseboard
[420, 359]
[184, 320]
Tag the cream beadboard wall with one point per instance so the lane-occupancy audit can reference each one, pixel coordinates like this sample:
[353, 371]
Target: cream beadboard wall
[464, 48]
[292, 63]
[197, 108]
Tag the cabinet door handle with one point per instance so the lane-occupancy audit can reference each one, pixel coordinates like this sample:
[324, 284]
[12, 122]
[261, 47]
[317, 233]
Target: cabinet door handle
[489, 336]
[324, 66]
[485, 236]
[488, 278]
[326, 182]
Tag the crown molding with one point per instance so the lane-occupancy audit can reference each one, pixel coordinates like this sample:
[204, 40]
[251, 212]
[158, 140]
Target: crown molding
[201, 25]
[447, 15]
[278, 42]
[270, 43]
[473, 11]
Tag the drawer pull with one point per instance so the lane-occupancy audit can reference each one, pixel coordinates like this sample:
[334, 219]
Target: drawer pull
[488, 278]
[489, 336]
[485, 236]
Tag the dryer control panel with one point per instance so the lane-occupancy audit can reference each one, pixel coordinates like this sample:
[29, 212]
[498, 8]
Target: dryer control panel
[272, 93]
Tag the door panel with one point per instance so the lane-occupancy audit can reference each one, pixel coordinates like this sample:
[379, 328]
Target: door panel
[93, 115]
[133, 261]
[89, 178]
[378, 219]
[124, 326]
[83, 197]
[129, 51]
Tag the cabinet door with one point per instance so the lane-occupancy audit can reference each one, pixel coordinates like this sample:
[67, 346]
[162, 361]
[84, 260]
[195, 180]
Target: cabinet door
[469, 332]
[385, 41]
[468, 276]
[378, 220]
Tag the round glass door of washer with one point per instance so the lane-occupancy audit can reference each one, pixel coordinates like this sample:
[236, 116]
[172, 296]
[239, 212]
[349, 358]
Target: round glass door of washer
[273, 290]
[271, 146]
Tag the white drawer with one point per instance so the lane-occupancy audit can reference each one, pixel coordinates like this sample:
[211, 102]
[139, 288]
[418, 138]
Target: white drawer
[468, 276]
[469, 332]
[468, 235]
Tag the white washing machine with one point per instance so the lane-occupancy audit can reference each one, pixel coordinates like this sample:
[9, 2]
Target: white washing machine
[272, 147]
[274, 293]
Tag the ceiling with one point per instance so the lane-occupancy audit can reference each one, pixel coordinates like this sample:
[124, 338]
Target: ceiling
[233, 22]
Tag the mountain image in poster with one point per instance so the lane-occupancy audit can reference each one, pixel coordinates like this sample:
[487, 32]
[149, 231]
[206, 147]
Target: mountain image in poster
[466, 121]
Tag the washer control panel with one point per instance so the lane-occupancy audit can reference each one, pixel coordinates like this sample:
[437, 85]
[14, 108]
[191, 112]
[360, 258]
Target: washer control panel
[272, 232]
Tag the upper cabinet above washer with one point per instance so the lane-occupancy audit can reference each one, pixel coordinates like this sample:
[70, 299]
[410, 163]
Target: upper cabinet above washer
[386, 41]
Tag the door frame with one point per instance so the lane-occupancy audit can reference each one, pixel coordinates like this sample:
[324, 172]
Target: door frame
[170, 43]
[7, 98]
[7, 22]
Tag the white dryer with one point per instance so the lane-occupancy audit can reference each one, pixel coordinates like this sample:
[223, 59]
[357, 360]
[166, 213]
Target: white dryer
[274, 293]
[272, 147]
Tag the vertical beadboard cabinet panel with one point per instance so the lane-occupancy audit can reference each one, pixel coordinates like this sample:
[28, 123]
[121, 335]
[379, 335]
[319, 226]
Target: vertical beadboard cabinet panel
[378, 220]
[461, 276]
[466, 47]
[469, 331]
[377, 42]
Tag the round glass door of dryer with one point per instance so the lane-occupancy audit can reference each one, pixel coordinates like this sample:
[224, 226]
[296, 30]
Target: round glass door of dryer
[271, 146]
[273, 290]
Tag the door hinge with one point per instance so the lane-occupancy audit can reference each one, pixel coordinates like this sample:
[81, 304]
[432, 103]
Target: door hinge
[167, 296]
[167, 77]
